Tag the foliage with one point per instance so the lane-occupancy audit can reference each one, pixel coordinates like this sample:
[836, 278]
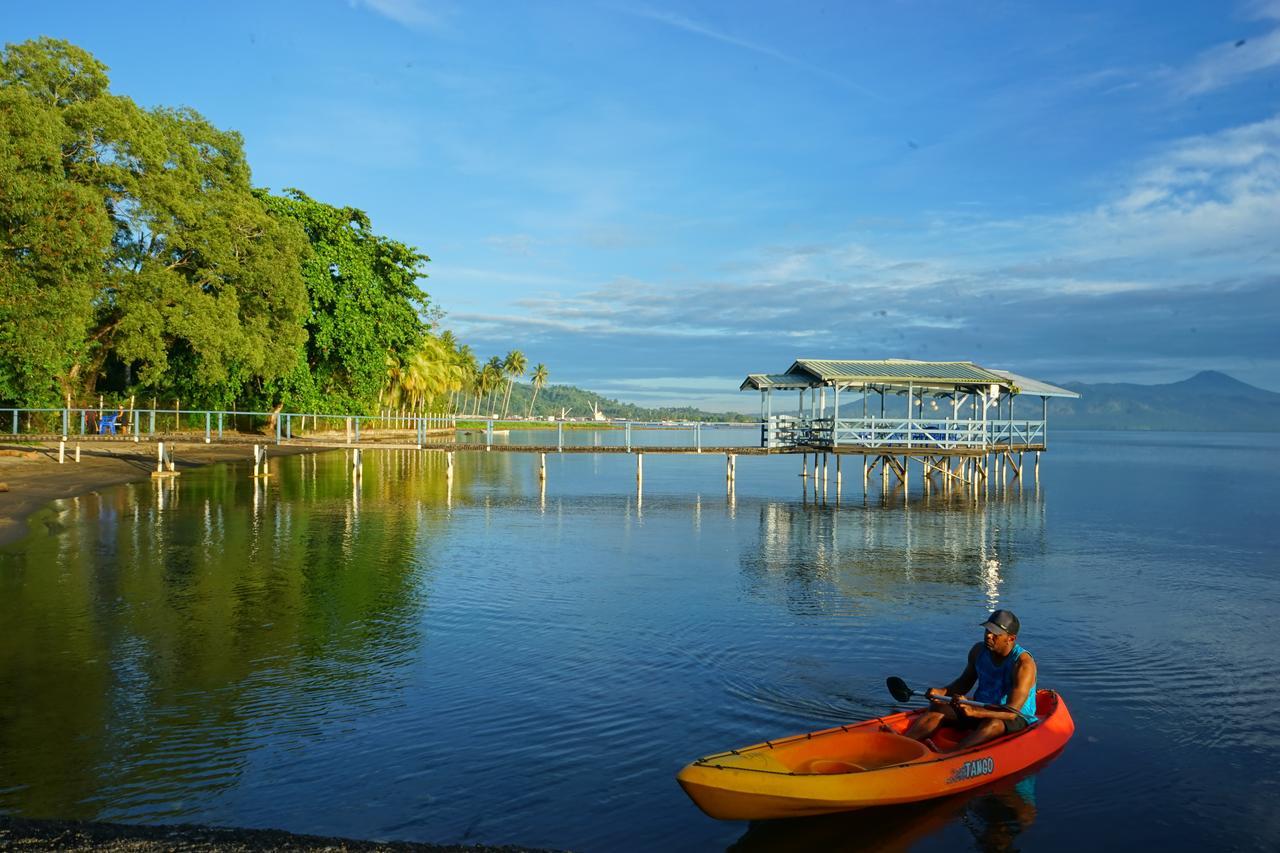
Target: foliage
[132, 237]
[368, 317]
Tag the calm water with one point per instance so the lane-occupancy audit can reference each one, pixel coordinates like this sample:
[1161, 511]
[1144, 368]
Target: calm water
[491, 663]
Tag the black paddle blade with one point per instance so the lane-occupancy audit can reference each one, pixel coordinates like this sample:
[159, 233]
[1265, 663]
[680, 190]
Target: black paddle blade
[898, 688]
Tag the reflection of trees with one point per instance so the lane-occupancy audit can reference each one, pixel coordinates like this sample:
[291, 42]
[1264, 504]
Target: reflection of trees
[169, 628]
[870, 549]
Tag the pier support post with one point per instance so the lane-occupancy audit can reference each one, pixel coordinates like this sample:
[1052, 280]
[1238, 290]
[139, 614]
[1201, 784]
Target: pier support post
[824, 469]
[77, 451]
[560, 437]
[357, 464]
[837, 476]
[160, 457]
[62, 452]
[208, 425]
[1037, 467]
[866, 474]
[542, 467]
[639, 468]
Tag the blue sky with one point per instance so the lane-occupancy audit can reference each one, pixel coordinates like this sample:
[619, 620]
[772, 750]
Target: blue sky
[655, 199]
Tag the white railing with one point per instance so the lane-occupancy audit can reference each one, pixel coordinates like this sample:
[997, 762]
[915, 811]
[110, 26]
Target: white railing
[782, 431]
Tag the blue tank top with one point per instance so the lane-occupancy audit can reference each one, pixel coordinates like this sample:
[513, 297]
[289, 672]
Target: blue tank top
[995, 682]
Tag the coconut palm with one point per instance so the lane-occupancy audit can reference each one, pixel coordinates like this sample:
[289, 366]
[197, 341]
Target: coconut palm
[539, 377]
[491, 380]
[469, 373]
[513, 365]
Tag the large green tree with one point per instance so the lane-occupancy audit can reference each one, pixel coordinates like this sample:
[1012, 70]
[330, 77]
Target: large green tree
[133, 235]
[366, 309]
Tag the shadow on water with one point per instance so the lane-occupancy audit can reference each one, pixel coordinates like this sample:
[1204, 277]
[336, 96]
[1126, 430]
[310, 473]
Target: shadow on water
[995, 815]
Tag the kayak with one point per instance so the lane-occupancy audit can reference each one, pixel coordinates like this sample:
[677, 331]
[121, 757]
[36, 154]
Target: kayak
[865, 764]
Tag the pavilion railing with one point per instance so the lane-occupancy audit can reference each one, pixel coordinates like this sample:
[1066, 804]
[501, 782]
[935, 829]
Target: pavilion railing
[782, 431]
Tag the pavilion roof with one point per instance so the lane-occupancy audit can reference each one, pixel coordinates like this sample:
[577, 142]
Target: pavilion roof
[897, 372]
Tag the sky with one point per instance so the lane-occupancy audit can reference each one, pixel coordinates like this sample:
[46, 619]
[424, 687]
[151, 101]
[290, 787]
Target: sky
[656, 198]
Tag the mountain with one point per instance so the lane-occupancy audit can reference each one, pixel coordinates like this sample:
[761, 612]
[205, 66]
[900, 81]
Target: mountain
[580, 403]
[1208, 401]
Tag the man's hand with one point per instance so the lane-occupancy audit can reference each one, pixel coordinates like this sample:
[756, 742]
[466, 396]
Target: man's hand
[961, 710]
[936, 694]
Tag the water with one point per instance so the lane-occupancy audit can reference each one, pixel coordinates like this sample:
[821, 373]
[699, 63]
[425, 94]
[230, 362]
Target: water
[491, 663]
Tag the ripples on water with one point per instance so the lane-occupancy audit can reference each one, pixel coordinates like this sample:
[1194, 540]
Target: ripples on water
[495, 662]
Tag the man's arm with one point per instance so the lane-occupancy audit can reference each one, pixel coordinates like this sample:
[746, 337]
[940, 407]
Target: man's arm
[963, 683]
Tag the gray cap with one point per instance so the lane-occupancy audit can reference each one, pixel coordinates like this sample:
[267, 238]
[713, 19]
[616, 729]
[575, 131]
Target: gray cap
[1002, 622]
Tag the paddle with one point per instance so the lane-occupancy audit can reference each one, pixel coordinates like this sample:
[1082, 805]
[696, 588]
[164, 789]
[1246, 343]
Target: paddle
[902, 693]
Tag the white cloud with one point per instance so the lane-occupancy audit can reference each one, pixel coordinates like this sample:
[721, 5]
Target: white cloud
[1229, 63]
[1216, 192]
[419, 14]
[680, 22]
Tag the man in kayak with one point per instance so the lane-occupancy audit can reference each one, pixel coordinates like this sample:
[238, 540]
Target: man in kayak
[1006, 677]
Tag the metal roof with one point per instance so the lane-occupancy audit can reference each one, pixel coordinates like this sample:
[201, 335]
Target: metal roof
[782, 381]
[895, 371]
[1027, 385]
[814, 372]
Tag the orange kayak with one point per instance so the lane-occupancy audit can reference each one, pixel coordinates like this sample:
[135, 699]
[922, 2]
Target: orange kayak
[860, 765]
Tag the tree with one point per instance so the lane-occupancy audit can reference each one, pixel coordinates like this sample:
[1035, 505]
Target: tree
[366, 307]
[490, 379]
[539, 377]
[132, 236]
[512, 366]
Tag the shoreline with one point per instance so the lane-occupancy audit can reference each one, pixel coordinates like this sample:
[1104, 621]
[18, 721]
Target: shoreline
[70, 835]
[33, 479]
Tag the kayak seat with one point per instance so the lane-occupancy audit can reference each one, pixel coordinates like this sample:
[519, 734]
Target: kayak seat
[824, 766]
[853, 752]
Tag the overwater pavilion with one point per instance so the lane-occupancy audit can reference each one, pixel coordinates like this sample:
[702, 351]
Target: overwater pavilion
[932, 410]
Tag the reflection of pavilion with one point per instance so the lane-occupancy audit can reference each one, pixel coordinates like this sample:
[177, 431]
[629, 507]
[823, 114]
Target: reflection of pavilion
[874, 549]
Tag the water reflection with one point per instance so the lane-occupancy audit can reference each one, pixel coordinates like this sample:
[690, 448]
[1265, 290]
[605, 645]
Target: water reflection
[173, 627]
[876, 545]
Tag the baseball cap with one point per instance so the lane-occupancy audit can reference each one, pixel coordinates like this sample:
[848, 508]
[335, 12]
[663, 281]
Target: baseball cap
[1002, 622]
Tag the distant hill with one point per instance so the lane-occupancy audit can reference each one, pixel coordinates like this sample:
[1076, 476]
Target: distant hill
[1208, 401]
[554, 398]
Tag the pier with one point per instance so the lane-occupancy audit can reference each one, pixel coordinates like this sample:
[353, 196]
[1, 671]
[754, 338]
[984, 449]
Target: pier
[954, 422]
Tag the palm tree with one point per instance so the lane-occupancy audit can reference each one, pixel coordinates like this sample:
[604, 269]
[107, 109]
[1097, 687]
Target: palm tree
[539, 377]
[513, 365]
[491, 378]
[469, 373]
